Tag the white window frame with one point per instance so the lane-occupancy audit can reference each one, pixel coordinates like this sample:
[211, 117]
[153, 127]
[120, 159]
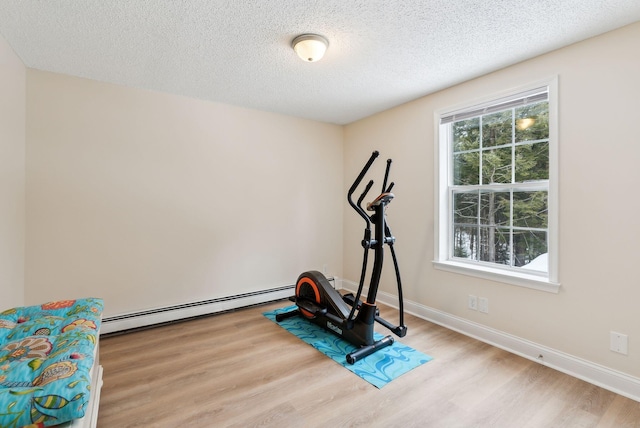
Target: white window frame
[443, 205]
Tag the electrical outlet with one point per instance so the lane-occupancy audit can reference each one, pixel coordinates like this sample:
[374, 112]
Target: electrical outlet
[473, 302]
[483, 305]
[619, 343]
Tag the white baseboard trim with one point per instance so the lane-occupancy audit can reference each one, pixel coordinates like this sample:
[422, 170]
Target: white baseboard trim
[189, 310]
[179, 312]
[612, 380]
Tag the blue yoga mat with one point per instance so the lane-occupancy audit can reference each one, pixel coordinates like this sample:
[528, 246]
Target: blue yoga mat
[378, 369]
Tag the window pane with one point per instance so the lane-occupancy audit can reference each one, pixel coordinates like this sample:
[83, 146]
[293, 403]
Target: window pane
[527, 245]
[494, 245]
[496, 166]
[465, 208]
[494, 208]
[466, 168]
[496, 129]
[530, 209]
[465, 242]
[466, 135]
[532, 122]
[497, 158]
[532, 162]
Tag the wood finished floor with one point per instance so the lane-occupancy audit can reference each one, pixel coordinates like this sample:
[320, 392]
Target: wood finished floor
[241, 370]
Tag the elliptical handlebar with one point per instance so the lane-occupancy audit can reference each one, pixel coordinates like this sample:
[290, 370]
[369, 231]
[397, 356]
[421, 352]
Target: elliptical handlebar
[386, 176]
[356, 183]
[364, 194]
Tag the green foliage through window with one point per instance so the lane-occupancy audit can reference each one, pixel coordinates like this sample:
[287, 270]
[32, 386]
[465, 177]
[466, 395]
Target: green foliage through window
[499, 185]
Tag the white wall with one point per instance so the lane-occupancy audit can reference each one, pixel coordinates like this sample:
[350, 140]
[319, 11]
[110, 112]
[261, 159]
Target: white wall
[12, 177]
[149, 199]
[599, 96]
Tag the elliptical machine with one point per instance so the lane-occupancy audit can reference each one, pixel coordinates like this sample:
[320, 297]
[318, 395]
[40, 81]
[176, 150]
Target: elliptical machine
[347, 316]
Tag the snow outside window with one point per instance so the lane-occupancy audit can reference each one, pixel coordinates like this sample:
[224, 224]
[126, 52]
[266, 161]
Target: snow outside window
[497, 206]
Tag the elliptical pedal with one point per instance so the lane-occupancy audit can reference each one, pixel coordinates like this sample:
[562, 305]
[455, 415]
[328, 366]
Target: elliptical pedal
[311, 307]
[350, 299]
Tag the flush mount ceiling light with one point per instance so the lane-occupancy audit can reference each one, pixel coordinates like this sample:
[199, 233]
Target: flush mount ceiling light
[310, 47]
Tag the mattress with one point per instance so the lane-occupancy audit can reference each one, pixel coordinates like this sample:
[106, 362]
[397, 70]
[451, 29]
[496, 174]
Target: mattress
[48, 356]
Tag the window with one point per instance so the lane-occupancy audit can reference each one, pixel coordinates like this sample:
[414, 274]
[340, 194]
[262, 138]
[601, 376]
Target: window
[497, 190]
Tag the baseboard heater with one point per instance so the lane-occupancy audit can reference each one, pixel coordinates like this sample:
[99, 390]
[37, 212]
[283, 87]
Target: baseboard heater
[173, 313]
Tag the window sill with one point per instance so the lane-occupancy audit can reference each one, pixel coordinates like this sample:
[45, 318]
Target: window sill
[514, 278]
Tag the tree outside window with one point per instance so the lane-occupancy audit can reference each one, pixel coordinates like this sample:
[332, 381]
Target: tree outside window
[499, 184]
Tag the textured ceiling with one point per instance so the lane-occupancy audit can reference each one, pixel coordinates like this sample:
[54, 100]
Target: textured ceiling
[382, 52]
